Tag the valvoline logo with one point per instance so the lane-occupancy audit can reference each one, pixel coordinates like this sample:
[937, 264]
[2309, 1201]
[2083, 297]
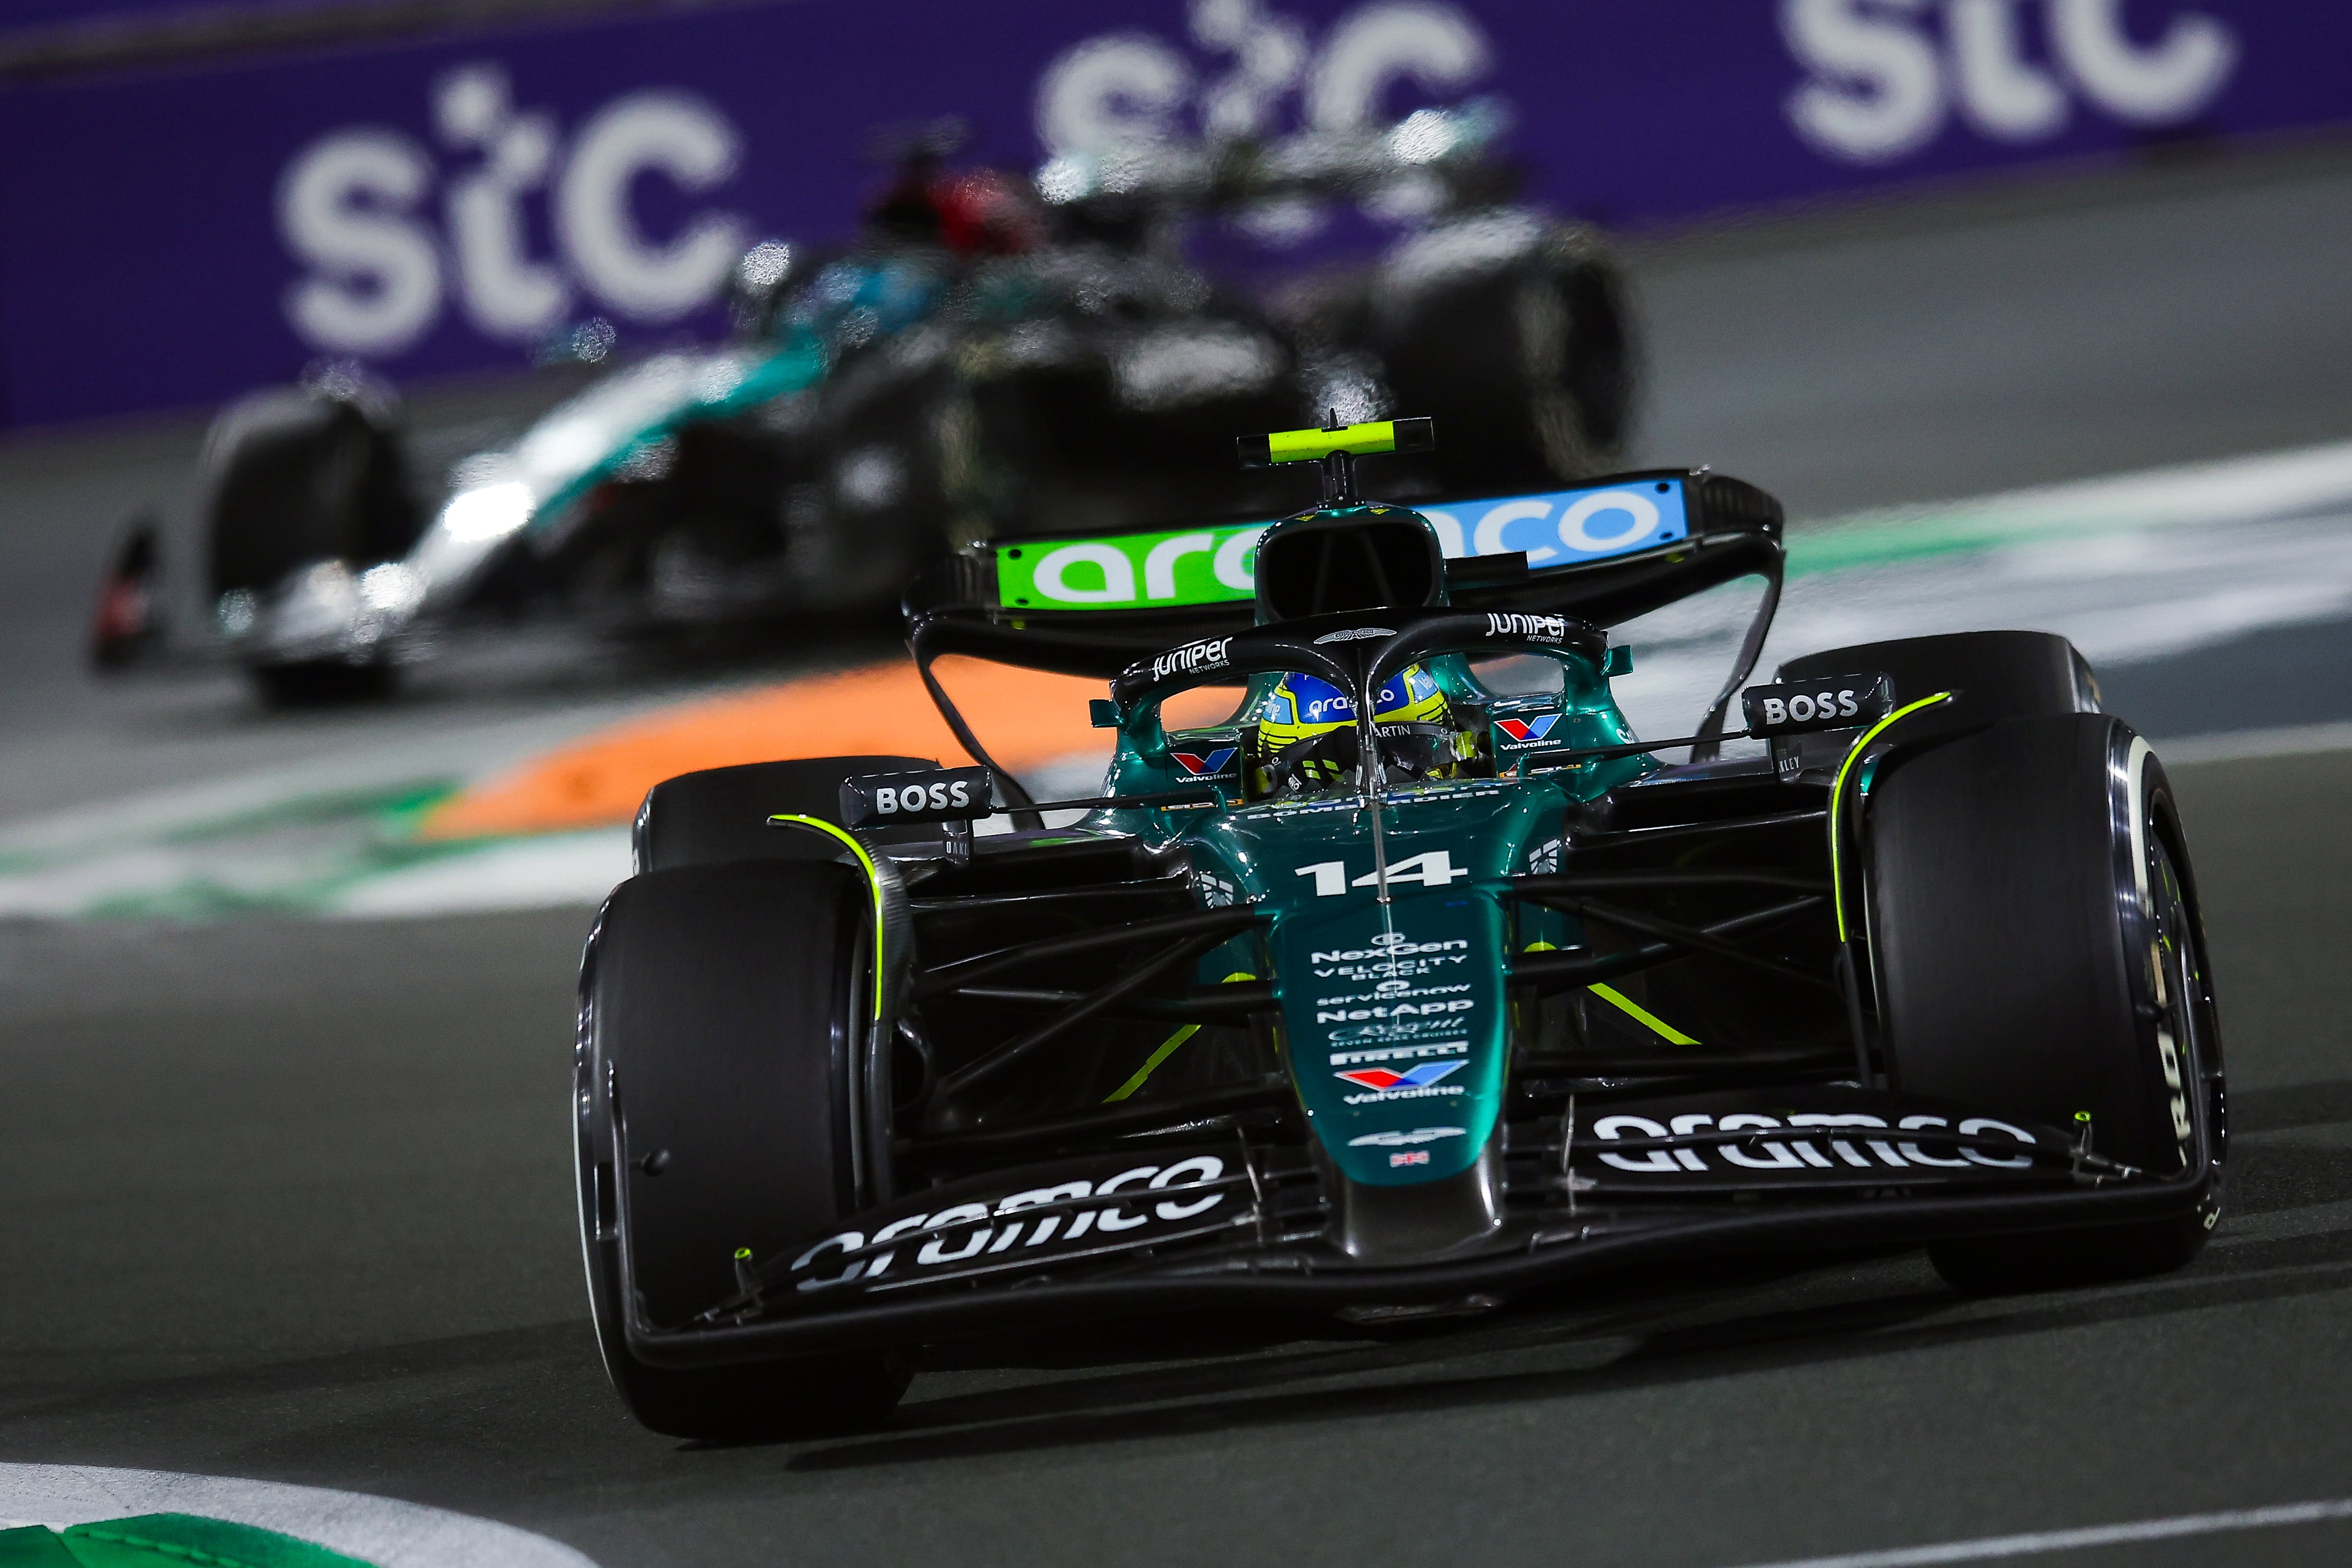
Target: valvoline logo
[1418, 1077]
[1208, 765]
[1524, 729]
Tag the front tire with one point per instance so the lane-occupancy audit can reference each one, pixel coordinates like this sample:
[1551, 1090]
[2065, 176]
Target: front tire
[2038, 952]
[722, 1019]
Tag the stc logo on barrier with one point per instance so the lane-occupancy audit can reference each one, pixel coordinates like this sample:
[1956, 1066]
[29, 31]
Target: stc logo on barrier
[1126, 89]
[1134, 88]
[1886, 78]
[354, 208]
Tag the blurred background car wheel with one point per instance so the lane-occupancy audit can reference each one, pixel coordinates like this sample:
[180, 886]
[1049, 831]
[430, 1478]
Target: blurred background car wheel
[299, 476]
[1531, 365]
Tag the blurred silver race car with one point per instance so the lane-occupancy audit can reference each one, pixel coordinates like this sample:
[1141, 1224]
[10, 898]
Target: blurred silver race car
[994, 354]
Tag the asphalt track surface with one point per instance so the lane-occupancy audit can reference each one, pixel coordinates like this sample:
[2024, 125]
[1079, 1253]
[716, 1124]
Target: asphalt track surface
[290, 1200]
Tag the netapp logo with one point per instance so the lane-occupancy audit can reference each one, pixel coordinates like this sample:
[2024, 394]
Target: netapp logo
[1401, 1010]
[1532, 628]
[1206, 654]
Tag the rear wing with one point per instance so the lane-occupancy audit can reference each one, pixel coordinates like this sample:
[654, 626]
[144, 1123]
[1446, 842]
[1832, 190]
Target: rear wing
[1603, 551]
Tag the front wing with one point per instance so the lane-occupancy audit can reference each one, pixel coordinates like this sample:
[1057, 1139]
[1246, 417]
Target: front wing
[1194, 1222]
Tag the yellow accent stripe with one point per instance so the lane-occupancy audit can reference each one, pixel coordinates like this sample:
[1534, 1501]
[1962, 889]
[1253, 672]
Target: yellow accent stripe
[1837, 795]
[1298, 446]
[1167, 1049]
[872, 880]
[1626, 1005]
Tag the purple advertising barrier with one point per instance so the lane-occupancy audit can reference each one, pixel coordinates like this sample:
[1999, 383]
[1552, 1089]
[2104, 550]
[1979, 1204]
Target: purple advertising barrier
[173, 239]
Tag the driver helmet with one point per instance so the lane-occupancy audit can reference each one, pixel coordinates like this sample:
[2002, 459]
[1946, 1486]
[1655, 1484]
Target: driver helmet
[1305, 705]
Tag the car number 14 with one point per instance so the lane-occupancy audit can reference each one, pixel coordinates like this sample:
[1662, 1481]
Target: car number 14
[1435, 869]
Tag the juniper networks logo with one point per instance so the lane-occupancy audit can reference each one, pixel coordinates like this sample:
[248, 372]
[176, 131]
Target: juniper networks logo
[390, 232]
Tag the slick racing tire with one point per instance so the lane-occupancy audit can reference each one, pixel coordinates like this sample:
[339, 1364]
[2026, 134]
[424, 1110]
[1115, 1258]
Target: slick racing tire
[298, 477]
[721, 1010]
[1534, 368]
[2039, 953]
[1998, 674]
[721, 813]
[1993, 675]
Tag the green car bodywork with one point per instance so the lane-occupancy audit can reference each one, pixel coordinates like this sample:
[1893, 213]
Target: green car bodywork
[1398, 978]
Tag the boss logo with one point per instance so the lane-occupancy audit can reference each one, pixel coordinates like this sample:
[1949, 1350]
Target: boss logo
[943, 794]
[1798, 707]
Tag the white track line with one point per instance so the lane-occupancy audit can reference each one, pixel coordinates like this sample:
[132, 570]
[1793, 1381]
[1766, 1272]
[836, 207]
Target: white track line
[2221, 490]
[1996, 1546]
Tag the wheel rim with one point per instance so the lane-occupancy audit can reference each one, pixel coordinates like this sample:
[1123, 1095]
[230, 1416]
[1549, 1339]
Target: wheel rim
[2187, 1020]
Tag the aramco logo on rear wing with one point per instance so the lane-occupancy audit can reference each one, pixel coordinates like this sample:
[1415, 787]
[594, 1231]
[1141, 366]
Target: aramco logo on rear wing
[1218, 565]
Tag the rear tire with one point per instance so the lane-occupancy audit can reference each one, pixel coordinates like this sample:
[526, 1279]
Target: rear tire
[2021, 967]
[1997, 675]
[2000, 675]
[722, 1011]
[1533, 365]
[721, 813]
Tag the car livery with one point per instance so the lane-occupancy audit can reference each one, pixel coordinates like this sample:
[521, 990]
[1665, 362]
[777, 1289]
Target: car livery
[1488, 1001]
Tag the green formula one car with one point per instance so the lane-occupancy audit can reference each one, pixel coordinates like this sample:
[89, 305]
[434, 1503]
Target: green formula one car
[1408, 989]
